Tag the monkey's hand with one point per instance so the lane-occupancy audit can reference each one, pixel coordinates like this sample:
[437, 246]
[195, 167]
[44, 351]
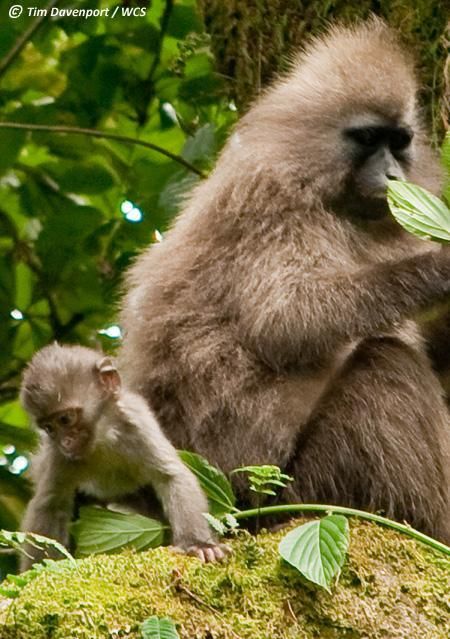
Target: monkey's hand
[205, 552]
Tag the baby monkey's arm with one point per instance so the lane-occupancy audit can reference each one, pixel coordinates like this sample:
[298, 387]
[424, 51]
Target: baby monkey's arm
[177, 488]
[50, 510]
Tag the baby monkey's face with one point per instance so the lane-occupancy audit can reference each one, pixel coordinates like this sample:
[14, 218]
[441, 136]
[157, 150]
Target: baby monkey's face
[66, 389]
[70, 431]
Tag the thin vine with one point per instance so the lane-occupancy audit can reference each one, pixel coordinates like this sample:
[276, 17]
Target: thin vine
[96, 133]
[349, 512]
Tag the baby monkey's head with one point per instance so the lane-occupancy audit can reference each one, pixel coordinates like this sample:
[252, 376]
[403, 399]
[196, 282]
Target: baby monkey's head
[65, 389]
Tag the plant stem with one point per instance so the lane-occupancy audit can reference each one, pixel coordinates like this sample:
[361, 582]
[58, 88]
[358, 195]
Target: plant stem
[258, 514]
[96, 133]
[179, 586]
[26, 36]
[350, 512]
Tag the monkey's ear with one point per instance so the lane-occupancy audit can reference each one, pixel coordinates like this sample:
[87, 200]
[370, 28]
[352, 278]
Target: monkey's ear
[109, 376]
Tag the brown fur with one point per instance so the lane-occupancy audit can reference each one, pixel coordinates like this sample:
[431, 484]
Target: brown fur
[268, 328]
[114, 447]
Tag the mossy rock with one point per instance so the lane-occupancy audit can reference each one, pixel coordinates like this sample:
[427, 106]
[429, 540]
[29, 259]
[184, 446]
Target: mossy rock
[391, 587]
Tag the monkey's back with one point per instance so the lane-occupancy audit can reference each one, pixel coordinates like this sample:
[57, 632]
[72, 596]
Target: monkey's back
[184, 347]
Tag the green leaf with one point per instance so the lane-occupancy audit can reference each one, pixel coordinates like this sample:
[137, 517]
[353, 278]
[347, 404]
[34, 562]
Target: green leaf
[13, 414]
[22, 438]
[261, 477]
[17, 539]
[11, 142]
[446, 163]
[25, 282]
[99, 530]
[202, 145]
[231, 521]
[419, 211]
[62, 235]
[446, 153]
[317, 549]
[90, 177]
[216, 486]
[183, 20]
[215, 524]
[156, 628]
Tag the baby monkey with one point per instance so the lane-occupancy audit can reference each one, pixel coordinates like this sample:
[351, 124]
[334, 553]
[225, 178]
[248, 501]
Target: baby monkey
[102, 440]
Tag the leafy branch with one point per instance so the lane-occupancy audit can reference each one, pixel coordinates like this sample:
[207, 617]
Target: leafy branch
[264, 480]
[96, 133]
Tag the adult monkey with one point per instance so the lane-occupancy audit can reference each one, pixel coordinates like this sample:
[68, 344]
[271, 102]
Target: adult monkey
[274, 324]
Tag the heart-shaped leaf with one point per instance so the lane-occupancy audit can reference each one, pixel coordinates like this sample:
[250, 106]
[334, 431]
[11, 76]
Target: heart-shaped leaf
[419, 211]
[99, 530]
[216, 486]
[156, 628]
[317, 549]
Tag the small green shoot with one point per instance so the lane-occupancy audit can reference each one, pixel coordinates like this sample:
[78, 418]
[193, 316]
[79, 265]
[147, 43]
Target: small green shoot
[226, 524]
[263, 478]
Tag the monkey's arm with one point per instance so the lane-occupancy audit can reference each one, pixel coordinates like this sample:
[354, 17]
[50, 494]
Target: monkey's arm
[177, 488]
[50, 510]
[435, 326]
[300, 316]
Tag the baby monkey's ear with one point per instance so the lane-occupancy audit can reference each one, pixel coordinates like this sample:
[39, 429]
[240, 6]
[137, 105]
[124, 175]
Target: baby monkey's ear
[109, 376]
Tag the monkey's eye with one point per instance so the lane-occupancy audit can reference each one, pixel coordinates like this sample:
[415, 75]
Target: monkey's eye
[367, 137]
[67, 418]
[400, 139]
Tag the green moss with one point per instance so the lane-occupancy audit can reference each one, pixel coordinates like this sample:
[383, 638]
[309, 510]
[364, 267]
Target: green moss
[390, 587]
[252, 39]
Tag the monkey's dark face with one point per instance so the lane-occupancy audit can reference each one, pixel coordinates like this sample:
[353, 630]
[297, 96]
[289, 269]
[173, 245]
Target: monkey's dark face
[378, 152]
[70, 431]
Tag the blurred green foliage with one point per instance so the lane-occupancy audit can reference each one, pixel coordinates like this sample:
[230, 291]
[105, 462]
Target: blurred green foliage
[65, 234]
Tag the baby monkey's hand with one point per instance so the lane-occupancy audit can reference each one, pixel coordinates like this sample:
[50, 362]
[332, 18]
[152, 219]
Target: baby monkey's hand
[205, 552]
